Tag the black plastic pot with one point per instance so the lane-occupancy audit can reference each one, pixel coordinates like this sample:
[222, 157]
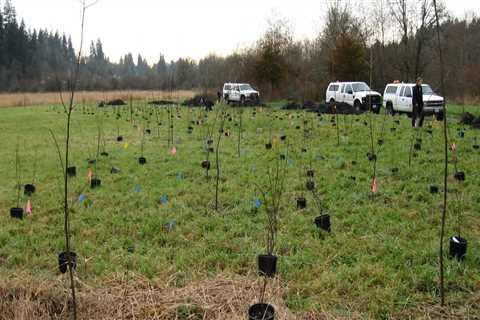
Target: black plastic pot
[115, 170]
[297, 127]
[210, 149]
[458, 247]
[63, 261]
[283, 157]
[209, 141]
[394, 170]
[92, 161]
[393, 129]
[267, 265]
[310, 185]
[301, 203]
[371, 156]
[310, 173]
[72, 172]
[354, 163]
[119, 138]
[29, 189]
[142, 160]
[268, 146]
[104, 154]
[380, 142]
[323, 222]
[148, 131]
[460, 176]
[353, 178]
[417, 146]
[397, 121]
[95, 183]
[429, 131]
[16, 213]
[304, 150]
[476, 146]
[261, 311]
[283, 138]
[206, 164]
[419, 140]
[433, 189]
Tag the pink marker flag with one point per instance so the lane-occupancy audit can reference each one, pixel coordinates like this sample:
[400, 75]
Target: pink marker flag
[173, 151]
[28, 207]
[374, 185]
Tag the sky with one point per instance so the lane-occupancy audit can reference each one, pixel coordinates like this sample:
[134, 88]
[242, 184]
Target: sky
[182, 28]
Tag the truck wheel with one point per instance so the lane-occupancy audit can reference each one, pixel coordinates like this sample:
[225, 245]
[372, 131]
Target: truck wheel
[242, 100]
[357, 105]
[390, 109]
[332, 102]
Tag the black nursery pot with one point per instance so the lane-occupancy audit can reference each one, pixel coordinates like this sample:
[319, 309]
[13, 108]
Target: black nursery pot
[283, 138]
[16, 213]
[323, 222]
[115, 170]
[297, 127]
[148, 131]
[119, 138]
[458, 248]
[268, 146]
[261, 311]
[104, 154]
[206, 164]
[371, 156]
[460, 176]
[310, 173]
[476, 146]
[417, 146]
[267, 265]
[283, 157]
[72, 171]
[394, 170]
[29, 189]
[304, 150]
[95, 183]
[310, 185]
[393, 129]
[63, 261]
[301, 203]
[433, 189]
[92, 161]
[142, 160]
[380, 142]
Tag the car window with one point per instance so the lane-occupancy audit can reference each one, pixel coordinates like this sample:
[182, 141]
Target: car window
[401, 91]
[227, 87]
[408, 92]
[348, 88]
[391, 89]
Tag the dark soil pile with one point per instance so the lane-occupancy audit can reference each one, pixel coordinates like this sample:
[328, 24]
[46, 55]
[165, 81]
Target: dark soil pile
[115, 102]
[161, 103]
[467, 118]
[476, 123]
[292, 105]
[200, 101]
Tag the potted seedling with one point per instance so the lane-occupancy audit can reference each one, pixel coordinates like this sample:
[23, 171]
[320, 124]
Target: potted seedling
[29, 188]
[142, 160]
[17, 212]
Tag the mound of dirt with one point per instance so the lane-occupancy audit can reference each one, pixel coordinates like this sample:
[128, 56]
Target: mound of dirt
[476, 123]
[292, 105]
[309, 105]
[467, 118]
[116, 102]
[161, 103]
[200, 101]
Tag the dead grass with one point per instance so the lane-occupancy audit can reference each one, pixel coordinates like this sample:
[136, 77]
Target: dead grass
[135, 297]
[34, 99]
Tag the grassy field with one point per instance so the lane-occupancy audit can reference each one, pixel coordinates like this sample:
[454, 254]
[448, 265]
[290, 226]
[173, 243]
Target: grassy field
[379, 262]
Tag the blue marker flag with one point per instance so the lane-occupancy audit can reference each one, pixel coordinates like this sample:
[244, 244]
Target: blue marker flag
[258, 203]
[164, 199]
[138, 189]
[290, 162]
[179, 176]
[81, 198]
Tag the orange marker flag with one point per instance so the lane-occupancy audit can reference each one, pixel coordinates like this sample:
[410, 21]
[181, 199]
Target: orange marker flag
[374, 185]
[89, 175]
[28, 207]
[173, 151]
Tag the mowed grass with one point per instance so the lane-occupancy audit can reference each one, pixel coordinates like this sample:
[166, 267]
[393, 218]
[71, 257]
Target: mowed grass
[380, 260]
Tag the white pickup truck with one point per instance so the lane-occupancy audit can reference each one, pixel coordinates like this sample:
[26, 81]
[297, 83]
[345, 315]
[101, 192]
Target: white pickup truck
[240, 92]
[397, 98]
[356, 94]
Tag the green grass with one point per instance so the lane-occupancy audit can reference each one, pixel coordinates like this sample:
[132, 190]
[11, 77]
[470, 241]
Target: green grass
[381, 259]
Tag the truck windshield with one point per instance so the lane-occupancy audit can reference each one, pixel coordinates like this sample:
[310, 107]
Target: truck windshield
[427, 89]
[360, 86]
[245, 87]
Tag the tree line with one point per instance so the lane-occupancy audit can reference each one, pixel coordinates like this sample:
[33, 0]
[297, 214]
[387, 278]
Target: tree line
[376, 42]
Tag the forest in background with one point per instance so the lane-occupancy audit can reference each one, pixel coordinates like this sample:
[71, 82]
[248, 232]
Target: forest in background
[384, 41]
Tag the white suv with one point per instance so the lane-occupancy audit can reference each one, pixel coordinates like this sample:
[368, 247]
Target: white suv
[240, 92]
[355, 94]
[398, 98]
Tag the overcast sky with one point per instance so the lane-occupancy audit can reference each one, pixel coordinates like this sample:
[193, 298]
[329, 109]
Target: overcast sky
[181, 28]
